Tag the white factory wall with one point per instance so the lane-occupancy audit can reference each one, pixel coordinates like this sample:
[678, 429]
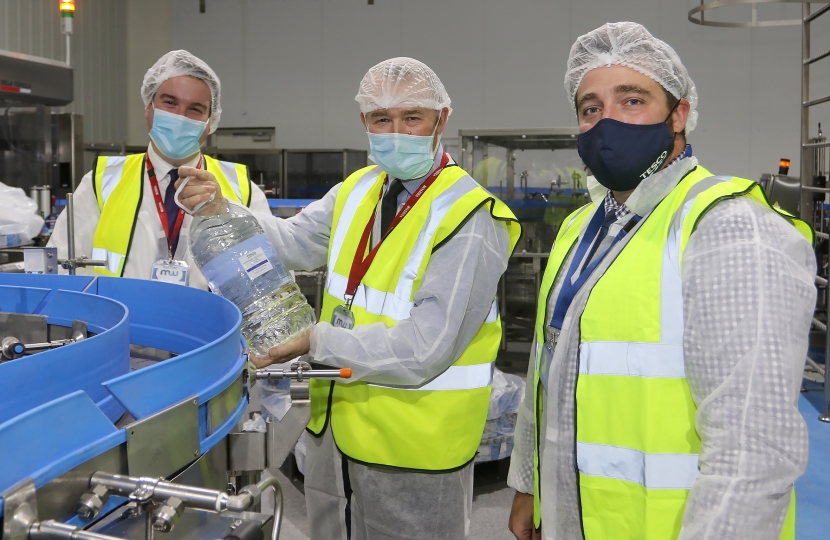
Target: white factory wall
[98, 51]
[149, 35]
[296, 64]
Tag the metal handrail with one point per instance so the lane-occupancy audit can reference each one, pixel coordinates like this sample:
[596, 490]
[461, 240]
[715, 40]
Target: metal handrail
[816, 145]
[818, 101]
[817, 14]
[815, 59]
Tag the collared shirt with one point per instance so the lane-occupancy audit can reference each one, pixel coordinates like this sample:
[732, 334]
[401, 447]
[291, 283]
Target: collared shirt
[162, 168]
[409, 187]
[621, 210]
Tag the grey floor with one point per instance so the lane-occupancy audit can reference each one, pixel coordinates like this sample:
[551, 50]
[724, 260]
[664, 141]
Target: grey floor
[491, 508]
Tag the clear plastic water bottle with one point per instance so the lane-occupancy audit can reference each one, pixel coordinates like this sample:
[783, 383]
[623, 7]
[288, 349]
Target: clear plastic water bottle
[240, 264]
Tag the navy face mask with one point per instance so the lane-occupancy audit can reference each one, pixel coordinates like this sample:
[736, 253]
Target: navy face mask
[622, 155]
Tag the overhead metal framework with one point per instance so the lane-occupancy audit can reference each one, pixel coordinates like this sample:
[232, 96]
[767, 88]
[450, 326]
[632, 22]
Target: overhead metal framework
[697, 15]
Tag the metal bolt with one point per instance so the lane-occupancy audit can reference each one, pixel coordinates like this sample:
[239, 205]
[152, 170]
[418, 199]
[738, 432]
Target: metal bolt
[92, 502]
[196, 453]
[165, 518]
[196, 401]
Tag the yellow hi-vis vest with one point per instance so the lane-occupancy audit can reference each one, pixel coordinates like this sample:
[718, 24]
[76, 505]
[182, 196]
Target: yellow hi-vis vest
[118, 183]
[636, 443]
[436, 426]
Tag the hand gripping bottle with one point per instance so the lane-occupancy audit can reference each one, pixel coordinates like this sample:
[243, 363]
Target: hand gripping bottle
[239, 263]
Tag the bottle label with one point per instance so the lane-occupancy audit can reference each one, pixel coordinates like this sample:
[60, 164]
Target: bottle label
[255, 263]
[252, 260]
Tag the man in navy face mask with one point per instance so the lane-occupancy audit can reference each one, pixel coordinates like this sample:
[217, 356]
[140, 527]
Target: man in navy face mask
[125, 211]
[671, 329]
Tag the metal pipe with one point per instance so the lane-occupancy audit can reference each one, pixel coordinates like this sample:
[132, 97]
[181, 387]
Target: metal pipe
[820, 281]
[70, 228]
[277, 374]
[819, 325]
[806, 179]
[818, 101]
[272, 482]
[55, 530]
[817, 14]
[815, 59]
[208, 499]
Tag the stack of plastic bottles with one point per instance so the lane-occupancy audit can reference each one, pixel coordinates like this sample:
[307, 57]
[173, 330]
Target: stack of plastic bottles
[505, 398]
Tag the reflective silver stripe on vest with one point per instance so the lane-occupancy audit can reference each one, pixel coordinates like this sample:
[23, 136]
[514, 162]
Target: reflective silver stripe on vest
[372, 300]
[441, 205]
[632, 359]
[652, 471]
[229, 170]
[353, 200]
[455, 378]
[110, 176]
[113, 259]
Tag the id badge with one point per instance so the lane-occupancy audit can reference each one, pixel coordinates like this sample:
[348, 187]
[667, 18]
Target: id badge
[342, 318]
[171, 272]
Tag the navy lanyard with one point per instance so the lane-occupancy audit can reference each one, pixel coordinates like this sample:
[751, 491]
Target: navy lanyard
[570, 287]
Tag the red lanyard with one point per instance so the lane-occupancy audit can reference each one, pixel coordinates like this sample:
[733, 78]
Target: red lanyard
[154, 185]
[361, 265]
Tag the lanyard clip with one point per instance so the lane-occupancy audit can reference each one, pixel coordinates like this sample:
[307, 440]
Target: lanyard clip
[552, 335]
[349, 299]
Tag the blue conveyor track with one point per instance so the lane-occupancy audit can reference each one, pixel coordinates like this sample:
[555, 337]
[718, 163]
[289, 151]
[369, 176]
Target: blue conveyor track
[59, 408]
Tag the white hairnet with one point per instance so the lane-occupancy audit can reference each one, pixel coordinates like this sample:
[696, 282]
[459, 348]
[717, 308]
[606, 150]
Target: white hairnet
[630, 44]
[176, 64]
[401, 82]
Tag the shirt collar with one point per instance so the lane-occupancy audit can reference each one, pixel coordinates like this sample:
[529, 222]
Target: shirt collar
[652, 190]
[160, 165]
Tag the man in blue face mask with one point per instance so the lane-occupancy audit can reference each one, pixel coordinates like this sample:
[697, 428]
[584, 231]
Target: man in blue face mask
[414, 249]
[125, 212]
[671, 329]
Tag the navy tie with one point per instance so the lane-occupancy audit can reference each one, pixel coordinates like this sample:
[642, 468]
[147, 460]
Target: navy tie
[610, 219]
[172, 209]
[389, 205]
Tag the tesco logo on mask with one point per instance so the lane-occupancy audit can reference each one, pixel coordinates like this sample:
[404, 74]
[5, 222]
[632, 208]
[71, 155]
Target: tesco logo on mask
[655, 165]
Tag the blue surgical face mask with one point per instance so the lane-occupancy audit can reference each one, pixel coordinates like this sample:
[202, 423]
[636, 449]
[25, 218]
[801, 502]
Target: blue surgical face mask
[622, 155]
[176, 136]
[403, 156]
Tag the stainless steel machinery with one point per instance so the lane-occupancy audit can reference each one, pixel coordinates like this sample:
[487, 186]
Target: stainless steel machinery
[98, 443]
[284, 174]
[39, 146]
[539, 175]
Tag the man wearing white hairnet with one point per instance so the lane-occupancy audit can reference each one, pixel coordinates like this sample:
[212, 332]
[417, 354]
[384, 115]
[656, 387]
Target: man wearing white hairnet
[414, 249]
[671, 329]
[125, 211]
